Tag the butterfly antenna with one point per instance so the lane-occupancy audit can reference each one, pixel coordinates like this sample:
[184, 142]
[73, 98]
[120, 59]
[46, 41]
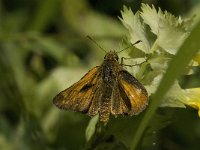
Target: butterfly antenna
[129, 46]
[96, 43]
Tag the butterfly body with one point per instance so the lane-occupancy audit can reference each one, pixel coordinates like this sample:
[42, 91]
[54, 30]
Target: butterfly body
[104, 90]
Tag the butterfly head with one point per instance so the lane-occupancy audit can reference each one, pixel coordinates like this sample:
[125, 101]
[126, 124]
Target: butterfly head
[111, 56]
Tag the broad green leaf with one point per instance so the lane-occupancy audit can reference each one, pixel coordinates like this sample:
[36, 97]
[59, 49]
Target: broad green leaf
[170, 30]
[136, 29]
[151, 17]
[186, 53]
[174, 97]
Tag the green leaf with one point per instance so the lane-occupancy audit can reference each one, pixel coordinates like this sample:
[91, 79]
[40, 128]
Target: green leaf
[90, 130]
[151, 17]
[136, 29]
[186, 53]
[170, 30]
[174, 97]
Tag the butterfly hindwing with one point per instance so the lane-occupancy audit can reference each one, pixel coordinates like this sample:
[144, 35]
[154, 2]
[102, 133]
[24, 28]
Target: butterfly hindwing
[118, 105]
[133, 93]
[79, 96]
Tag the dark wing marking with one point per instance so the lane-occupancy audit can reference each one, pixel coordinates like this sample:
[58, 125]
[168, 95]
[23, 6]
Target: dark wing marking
[133, 93]
[79, 96]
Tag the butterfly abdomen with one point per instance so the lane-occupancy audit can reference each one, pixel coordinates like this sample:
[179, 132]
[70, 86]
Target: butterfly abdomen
[109, 79]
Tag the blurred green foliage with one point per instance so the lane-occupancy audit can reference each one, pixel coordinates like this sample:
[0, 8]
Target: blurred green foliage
[44, 49]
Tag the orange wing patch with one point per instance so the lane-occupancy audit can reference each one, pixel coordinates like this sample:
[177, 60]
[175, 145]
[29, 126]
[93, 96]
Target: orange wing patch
[135, 95]
[79, 96]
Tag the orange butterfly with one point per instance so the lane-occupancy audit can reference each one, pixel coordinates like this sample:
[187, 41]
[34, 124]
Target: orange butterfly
[104, 90]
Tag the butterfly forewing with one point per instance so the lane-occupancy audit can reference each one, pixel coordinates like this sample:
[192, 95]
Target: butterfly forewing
[96, 99]
[79, 96]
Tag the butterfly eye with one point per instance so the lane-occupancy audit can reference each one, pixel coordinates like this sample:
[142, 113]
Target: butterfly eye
[116, 57]
[105, 57]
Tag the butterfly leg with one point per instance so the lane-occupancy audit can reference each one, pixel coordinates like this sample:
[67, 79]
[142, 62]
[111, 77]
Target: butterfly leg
[122, 64]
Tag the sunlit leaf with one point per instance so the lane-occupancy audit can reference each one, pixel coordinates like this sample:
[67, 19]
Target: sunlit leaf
[90, 130]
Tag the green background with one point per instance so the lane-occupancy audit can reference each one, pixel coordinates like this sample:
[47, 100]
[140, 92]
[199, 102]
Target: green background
[44, 49]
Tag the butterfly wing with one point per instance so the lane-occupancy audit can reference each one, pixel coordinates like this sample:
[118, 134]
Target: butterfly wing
[79, 96]
[133, 96]
[118, 105]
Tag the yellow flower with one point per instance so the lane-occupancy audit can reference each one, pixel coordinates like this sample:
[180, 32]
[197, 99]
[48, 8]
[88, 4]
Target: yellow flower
[197, 58]
[193, 98]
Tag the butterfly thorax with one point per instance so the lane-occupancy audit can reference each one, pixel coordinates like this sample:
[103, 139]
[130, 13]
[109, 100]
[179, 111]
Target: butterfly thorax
[110, 68]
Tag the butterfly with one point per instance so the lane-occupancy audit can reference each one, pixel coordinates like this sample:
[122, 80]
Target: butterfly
[106, 90]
